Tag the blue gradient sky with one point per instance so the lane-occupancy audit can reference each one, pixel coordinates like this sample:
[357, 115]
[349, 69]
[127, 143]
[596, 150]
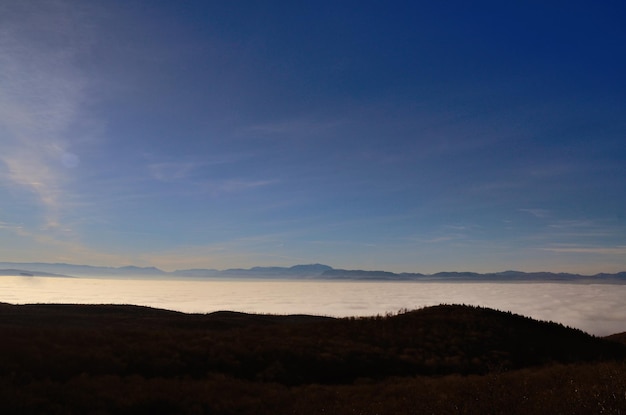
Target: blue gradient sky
[405, 136]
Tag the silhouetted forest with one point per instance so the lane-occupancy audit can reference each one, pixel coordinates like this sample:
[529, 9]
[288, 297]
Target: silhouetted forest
[81, 359]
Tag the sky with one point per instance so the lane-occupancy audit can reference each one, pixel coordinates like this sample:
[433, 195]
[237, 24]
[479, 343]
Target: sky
[408, 136]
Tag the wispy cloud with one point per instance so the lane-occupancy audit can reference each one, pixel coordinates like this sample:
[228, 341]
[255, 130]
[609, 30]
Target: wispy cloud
[538, 213]
[491, 187]
[172, 171]
[574, 224]
[586, 230]
[41, 93]
[235, 185]
[552, 169]
[296, 127]
[10, 226]
[615, 250]
[58, 245]
[446, 238]
[448, 233]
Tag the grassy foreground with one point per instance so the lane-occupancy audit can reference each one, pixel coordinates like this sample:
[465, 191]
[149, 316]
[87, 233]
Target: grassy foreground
[80, 359]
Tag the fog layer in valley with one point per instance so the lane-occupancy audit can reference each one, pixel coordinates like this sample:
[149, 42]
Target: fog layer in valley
[595, 308]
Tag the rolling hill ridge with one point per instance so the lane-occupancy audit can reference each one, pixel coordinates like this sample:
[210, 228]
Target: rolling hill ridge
[61, 358]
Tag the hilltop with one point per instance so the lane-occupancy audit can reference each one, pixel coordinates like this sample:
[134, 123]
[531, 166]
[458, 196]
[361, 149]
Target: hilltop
[130, 359]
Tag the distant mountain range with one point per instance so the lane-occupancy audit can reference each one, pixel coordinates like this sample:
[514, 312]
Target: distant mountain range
[309, 271]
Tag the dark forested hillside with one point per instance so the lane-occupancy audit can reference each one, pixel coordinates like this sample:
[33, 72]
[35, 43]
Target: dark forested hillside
[128, 359]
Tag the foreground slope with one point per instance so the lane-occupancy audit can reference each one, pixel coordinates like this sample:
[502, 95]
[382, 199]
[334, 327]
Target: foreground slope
[138, 359]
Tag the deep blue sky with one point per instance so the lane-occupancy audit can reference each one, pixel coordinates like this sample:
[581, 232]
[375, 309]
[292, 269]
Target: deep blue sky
[405, 136]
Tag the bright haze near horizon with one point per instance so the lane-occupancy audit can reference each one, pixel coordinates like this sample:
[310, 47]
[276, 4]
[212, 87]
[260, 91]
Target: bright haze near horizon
[407, 136]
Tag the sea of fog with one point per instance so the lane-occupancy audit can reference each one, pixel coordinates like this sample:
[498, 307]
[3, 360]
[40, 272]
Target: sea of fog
[598, 309]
